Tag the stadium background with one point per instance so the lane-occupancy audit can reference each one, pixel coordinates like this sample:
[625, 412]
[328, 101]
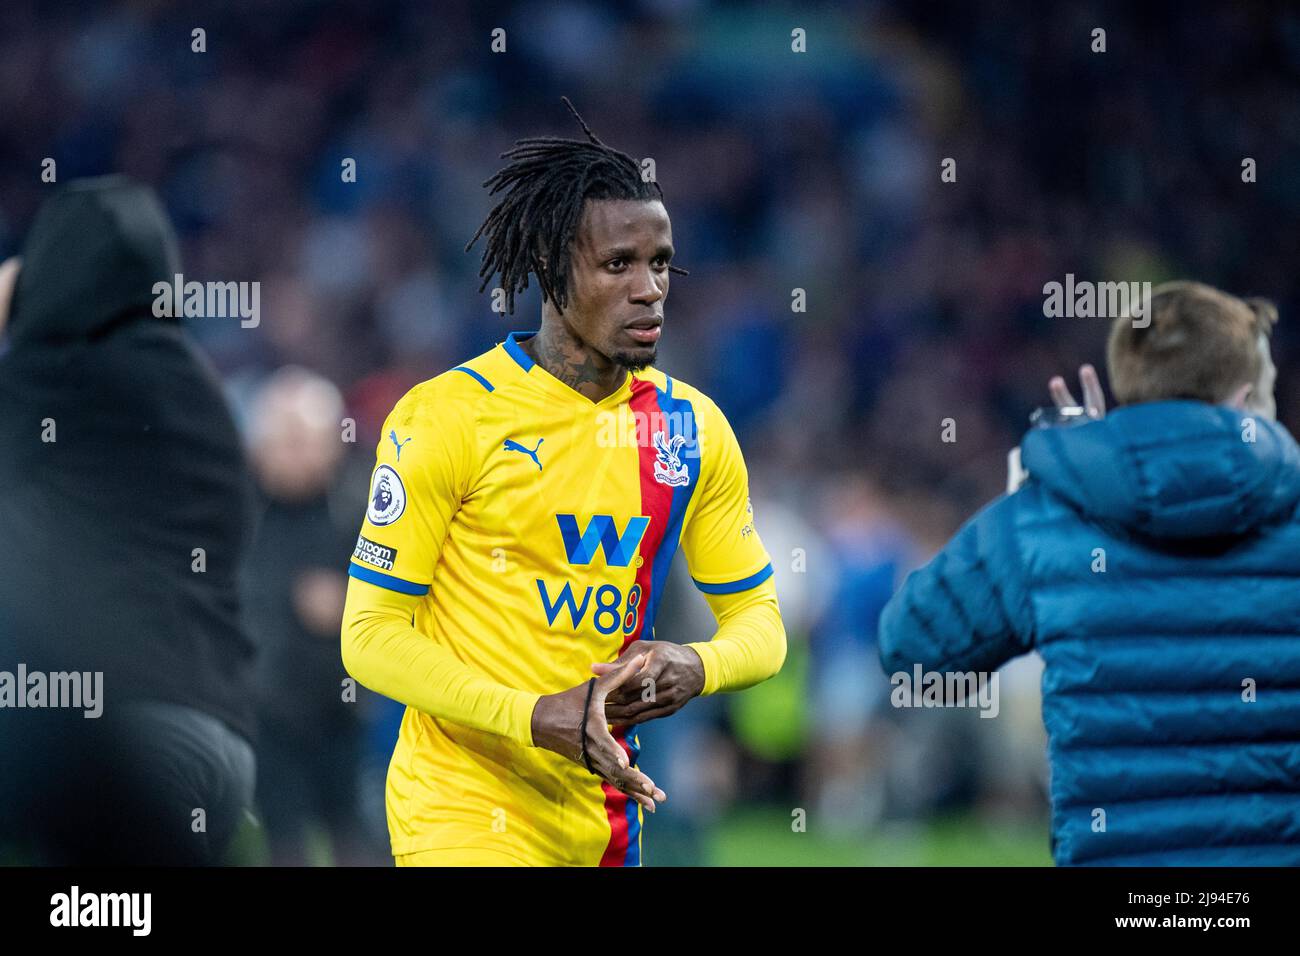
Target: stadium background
[781, 170]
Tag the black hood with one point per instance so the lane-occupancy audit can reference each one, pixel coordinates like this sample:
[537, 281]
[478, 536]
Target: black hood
[90, 262]
[118, 458]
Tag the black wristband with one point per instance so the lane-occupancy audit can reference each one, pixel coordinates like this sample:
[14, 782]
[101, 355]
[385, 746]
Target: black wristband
[591, 686]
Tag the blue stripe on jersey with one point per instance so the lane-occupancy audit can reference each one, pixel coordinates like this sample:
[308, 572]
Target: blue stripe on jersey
[675, 410]
[515, 352]
[371, 576]
[633, 855]
[731, 587]
[481, 380]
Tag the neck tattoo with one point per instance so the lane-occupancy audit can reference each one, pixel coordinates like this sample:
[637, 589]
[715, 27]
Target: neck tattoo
[573, 364]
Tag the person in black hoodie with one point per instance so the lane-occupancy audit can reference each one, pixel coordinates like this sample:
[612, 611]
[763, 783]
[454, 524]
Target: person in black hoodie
[125, 511]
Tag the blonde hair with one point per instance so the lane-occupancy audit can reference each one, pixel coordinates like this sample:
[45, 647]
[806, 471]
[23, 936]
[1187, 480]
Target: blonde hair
[1199, 343]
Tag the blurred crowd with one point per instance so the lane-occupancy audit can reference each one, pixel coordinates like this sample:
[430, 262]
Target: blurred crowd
[782, 171]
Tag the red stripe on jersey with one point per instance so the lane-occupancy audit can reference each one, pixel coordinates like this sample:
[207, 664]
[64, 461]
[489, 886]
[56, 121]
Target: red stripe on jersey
[656, 502]
[616, 811]
[656, 497]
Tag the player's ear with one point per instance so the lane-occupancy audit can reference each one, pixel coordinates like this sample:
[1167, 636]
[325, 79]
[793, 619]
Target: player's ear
[542, 270]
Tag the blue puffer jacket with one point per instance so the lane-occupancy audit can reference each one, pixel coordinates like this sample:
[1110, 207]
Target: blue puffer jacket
[1149, 663]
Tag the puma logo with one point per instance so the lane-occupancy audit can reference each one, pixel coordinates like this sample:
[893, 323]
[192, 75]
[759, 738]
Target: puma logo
[512, 445]
[393, 435]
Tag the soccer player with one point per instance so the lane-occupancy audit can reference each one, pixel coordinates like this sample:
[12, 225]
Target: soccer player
[524, 512]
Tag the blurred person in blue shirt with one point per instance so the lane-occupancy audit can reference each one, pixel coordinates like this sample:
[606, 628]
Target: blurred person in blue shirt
[870, 548]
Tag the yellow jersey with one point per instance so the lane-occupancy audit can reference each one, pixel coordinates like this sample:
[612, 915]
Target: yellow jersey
[516, 532]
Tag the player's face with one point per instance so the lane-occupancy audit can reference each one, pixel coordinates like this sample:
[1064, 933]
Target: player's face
[618, 279]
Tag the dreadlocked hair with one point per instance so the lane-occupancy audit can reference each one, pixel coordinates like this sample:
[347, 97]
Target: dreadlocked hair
[531, 228]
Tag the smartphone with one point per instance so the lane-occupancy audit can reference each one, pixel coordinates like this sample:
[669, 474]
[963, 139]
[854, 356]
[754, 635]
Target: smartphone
[1057, 417]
